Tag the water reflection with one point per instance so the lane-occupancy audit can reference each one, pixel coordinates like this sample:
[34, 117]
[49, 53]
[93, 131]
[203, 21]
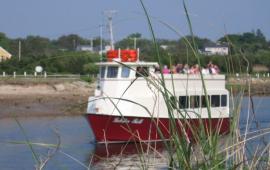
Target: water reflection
[129, 155]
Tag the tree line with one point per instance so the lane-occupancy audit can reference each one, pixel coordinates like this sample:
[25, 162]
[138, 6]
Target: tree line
[60, 55]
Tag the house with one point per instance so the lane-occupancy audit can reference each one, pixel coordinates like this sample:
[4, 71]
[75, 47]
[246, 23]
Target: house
[93, 49]
[104, 49]
[4, 55]
[216, 50]
[84, 48]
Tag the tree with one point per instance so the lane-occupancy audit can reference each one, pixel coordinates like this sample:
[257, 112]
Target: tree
[37, 46]
[70, 42]
[260, 35]
[4, 41]
[135, 35]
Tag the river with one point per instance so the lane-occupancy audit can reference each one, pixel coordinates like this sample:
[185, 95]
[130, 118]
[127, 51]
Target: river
[76, 139]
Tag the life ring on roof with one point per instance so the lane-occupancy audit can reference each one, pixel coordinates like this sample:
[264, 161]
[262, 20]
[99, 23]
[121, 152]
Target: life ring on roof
[128, 55]
[112, 54]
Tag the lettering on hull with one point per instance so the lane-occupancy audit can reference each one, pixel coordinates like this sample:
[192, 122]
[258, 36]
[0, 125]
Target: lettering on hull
[126, 121]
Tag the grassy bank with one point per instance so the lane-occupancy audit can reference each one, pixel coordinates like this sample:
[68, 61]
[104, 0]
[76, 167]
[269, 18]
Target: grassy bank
[257, 87]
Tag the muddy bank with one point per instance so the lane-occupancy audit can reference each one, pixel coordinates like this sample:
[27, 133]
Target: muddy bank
[41, 99]
[258, 87]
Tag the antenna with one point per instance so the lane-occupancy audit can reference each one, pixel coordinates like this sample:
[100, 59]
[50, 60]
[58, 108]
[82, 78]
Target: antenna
[109, 14]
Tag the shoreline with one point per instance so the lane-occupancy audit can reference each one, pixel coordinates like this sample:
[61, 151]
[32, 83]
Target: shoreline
[44, 99]
[258, 87]
[69, 98]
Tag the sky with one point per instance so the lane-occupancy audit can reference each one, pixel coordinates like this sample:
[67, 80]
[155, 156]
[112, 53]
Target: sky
[210, 18]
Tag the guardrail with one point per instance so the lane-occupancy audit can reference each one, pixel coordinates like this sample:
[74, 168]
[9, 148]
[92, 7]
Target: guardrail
[44, 75]
[256, 75]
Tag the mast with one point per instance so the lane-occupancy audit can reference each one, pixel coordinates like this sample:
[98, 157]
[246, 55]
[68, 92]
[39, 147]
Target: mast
[109, 15]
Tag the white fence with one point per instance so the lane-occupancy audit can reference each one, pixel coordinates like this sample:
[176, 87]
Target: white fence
[43, 75]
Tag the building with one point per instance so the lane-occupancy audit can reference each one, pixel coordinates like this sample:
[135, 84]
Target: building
[4, 55]
[216, 50]
[84, 48]
[93, 49]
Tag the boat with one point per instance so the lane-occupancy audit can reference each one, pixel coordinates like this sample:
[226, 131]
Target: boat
[132, 98]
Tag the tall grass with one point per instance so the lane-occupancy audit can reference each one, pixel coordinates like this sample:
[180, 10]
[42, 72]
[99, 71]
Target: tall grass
[207, 150]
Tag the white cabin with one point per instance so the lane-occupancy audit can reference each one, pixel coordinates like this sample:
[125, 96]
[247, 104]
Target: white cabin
[123, 91]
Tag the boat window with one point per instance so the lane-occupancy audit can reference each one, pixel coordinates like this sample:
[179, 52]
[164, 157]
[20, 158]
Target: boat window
[125, 72]
[194, 101]
[223, 100]
[173, 102]
[102, 72]
[215, 101]
[183, 102]
[112, 72]
[142, 72]
[203, 101]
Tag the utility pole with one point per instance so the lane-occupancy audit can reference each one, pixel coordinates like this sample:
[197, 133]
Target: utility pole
[91, 43]
[135, 42]
[19, 51]
[101, 46]
[109, 15]
[74, 44]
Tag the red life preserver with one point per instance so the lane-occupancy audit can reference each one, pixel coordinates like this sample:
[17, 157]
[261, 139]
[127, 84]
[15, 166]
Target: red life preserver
[111, 54]
[126, 55]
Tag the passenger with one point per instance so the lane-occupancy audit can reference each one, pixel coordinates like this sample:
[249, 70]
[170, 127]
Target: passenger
[205, 70]
[173, 69]
[195, 69]
[179, 68]
[186, 69]
[165, 70]
[210, 66]
[215, 69]
[157, 69]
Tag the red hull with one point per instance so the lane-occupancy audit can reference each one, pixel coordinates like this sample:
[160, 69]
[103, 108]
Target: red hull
[118, 129]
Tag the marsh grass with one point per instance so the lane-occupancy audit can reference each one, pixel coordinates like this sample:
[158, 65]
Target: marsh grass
[207, 150]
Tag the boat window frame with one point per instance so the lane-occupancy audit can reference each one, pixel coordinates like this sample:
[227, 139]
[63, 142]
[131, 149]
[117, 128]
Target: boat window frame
[215, 103]
[194, 101]
[184, 105]
[110, 71]
[102, 71]
[204, 101]
[142, 73]
[221, 100]
[127, 69]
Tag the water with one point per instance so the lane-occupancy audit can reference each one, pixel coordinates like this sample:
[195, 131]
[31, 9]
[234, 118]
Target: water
[257, 119]
[77, 139]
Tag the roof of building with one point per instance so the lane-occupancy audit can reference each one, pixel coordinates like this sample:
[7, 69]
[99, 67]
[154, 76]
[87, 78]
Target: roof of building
[217, 46]
[4, 53]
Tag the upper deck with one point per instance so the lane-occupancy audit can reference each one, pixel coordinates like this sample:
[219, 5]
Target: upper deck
[116, 73]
